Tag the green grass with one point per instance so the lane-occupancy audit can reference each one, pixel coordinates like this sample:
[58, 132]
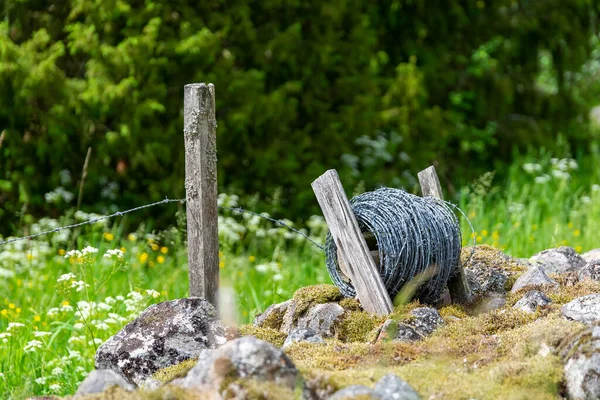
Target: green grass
[262, 264]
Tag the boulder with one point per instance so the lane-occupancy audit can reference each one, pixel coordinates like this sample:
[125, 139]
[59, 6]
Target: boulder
[100, 380]
[164, 334]
[246, 357]
[591, 255]
[559, 260]
[584, 309]
[391, 387]
[406, 333]
[321, 318]
[591, 270]
[354, 392]
[488, 269]
[303, 335]
[534, 276]
[532, 300]
[582, 365]
[425, 320]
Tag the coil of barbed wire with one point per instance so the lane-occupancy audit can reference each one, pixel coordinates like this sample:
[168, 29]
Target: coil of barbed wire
[414, 237]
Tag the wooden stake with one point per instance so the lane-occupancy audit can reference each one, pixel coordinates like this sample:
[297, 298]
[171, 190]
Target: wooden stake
[458, 286]
[199, 128]
[351, 245]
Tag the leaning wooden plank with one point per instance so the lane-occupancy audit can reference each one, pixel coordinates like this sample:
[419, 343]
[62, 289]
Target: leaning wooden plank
[351, 244]
[199, 130]
[458, 286]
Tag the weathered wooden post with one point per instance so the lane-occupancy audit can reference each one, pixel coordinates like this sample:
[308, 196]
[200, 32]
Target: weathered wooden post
[199, 129]
[351, 245]
[458, 286]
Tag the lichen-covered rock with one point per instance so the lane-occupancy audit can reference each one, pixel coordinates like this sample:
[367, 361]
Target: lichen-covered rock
[584, 309]
[591, 255]
[532, 300]
[559, 260]
[534, 276]
[303, 335]
[273, 316]
[354, 392]
[321, 318]
[488, 269]
[582, 365]
[591, 270]
[304, 299]
[164, 334]
[243, 358]
[100, 380]
[391, 387]
[426, 320]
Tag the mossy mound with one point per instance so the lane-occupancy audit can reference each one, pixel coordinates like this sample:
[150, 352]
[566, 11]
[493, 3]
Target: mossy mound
[308, 296]
[164, 393]
[272, 336]
[171, 372]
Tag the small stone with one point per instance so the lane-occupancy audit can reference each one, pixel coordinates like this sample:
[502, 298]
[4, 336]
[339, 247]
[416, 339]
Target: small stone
[406, 333]
[591, 270]
[536, 275]
[321, 318]
[426, 320]
[582, 367]
[532, 300]
[391, 387]
[164, 334]
[100, 380]
[246, 357]
[354, 392]
[559, 260]
[488, 303]
[584, 309]
[591, 255]
[303, 335]
[273, 316]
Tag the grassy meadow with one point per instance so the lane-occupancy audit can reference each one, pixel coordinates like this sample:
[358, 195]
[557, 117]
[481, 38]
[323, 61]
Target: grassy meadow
[61, 296]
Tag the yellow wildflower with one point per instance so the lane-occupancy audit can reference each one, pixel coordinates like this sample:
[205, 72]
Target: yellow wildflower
[4, 312]
[18, 310]
[576, 232]
[495, 235]
[108, 236]
[479, 239]
[123, 249]
[131, 237]
[484, 233]
[29, 256]
[37, 318]
[221, 264]
[154, 247]
[578, 249]
[19, 282]
[570, 225]
[65, 303]
[160, 259]
[164, 250]
[251, 258]
[151, 264]
[11, 306]
[61, 252]
[143, 257]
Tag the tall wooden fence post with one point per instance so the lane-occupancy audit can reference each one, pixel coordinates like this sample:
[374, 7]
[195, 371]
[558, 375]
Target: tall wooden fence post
[199, 129]
[351, 244]
[458, 286]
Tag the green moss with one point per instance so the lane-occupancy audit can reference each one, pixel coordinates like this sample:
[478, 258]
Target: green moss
[272, 336]
[356, 326]
[261, 390]
[274, 320]
[350, 304]
[171, 372]
[491, 258]
[453, 311]
[163, 393]
[317, 294]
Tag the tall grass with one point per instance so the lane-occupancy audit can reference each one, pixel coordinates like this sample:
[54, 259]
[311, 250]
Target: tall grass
[49, 331]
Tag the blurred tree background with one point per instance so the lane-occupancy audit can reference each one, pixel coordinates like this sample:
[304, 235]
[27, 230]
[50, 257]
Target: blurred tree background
[376, 89]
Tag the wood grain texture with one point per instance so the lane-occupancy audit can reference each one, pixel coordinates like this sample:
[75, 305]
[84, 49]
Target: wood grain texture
[458, 286]
[199, 131]
[351, 245]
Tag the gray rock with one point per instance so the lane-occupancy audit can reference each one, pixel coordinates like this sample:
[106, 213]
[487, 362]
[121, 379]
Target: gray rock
[353, 392]
[406, 333]
[426, 320]
[390, 387]
[591, 255]
[536, 275]
[591, 270]
[582, 367]
[246, 357]
[559, 260]
[584, 309]
[532, 300]
[100, 380]
[321, 318]
[484, 279]
[303, 335]
[273, 316]
[490, 302]
[164, 334]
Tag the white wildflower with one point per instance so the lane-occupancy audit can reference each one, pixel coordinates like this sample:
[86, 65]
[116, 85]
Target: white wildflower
[560, 174]
[41, 333]
[55, 387]
[57, 371]
[41, 380]
[5, 335]
[104, 307]
[532, 168]
[80, 370]
[595, 188]
[89, 250]
[13, 325]
[32, 345]
[78, 326]
[572, 164]
[76, 339]
[96, 341]
[110, 300]
[73, 253]
[74, 355]
[53, 312]
[66, 277]
[277, 277]
[101, 325]
[586, 199]
[117, 253]
[262, 268]
[120, 298]
[542, 179]
[79, 285]
[152, 293]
